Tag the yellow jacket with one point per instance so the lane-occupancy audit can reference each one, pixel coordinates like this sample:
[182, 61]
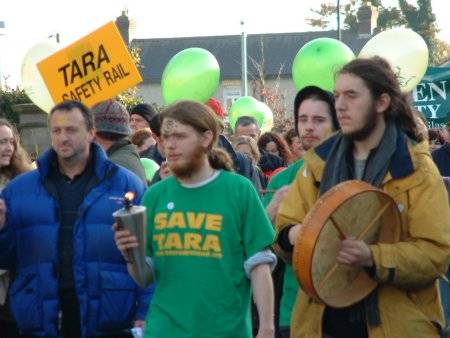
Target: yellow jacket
[407, 271]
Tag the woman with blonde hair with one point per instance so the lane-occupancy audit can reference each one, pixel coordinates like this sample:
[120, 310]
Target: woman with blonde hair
[14, 160]
[248, 146]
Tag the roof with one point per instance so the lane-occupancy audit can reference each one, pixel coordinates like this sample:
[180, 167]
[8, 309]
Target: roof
[279, 51]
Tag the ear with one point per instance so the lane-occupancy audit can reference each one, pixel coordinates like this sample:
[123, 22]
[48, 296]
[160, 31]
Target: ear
[207, 138]
[382, 103]
[91, 134]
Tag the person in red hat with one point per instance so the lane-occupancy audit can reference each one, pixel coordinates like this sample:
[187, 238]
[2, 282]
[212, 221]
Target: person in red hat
[217, 107]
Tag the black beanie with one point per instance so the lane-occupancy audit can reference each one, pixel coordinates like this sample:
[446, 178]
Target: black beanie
[146, 111]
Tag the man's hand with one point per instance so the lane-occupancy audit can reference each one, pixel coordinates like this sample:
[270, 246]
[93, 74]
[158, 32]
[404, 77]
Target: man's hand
[294, 233]
[2, 213]
[272, 207]
[124, 241]
[279, 194]
[164, 170]
[355, 252]
[139, 323]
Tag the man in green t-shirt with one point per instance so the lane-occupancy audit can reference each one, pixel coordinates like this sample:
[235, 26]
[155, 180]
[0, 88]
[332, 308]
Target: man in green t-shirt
[207, 237]
[315, 119]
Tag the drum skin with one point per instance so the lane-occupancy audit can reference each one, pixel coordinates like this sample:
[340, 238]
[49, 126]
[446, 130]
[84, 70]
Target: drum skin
[358, 210]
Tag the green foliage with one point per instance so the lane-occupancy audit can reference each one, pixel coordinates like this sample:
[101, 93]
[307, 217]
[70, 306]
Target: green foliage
[388, 18]
[8, 98]
[350, 17]
[130, 97]
[325, 14]
[420, 19]
[269, 93]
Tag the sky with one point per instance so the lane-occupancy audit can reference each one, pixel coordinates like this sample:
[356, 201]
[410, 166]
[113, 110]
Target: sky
[30, 22]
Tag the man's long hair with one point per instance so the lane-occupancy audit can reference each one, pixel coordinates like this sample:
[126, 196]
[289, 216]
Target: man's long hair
[201, 118]
[380, 79]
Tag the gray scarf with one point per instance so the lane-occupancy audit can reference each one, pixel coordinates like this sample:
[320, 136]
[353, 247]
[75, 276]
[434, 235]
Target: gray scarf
[337, 169]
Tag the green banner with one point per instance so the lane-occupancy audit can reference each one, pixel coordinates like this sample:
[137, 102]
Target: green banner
[431, 96]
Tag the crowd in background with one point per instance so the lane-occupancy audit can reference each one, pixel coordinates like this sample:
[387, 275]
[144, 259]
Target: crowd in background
[132, 139]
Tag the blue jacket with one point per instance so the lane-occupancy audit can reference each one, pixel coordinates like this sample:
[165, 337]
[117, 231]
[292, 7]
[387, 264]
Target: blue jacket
[108, 297]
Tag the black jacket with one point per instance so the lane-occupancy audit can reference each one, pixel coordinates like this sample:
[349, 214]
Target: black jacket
[441, 158]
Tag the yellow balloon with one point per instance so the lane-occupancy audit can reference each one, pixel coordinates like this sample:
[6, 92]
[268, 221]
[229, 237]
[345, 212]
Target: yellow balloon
[32, 82]
[405, 50]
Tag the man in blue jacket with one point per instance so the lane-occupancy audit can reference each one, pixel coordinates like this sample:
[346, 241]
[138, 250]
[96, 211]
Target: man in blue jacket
[55, 232]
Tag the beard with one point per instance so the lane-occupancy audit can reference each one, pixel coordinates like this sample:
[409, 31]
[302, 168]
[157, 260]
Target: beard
[190, 166]
[305, 145]
[370, 122]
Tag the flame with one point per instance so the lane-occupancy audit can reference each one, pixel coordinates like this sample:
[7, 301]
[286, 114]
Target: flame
[129, 196]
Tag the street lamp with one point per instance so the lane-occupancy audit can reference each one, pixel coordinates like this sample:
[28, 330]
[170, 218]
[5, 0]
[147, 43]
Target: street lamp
[2, 32]
[56, 36]
[244, 60]
[338, 14]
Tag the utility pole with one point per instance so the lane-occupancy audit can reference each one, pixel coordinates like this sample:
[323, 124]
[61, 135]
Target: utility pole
[338, 14]
[56, 36]
[244, 60]
[2, 32]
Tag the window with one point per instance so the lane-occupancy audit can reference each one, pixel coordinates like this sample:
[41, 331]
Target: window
[231, 94]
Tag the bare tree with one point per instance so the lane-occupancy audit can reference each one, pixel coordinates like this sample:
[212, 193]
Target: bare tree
[270, 93]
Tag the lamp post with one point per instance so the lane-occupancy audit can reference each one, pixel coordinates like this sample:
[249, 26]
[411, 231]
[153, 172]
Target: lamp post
[2, 32]
[244, 60]
[56, 36]
[338, 14]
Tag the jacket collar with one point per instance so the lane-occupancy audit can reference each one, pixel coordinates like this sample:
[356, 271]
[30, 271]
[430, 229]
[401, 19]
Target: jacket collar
[401, 162]
[223, 143]
[119, 144]
[102, 166]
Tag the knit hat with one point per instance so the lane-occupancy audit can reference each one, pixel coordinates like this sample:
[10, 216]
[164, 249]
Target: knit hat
[216, 106]
[146, 111]
[111, 117]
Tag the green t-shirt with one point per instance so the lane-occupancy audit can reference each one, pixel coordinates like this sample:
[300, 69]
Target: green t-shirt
[290, 284]
[284, 177]
[199, 239]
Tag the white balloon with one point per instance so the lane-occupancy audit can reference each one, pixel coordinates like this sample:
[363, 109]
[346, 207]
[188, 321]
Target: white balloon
[32, 82]
[405, 50]
[268, 117]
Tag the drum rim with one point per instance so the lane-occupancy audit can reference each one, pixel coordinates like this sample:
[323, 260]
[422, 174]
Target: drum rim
[316, 218]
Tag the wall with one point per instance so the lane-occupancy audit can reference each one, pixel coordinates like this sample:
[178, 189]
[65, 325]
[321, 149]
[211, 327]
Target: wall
[228, 91]
[34, 134]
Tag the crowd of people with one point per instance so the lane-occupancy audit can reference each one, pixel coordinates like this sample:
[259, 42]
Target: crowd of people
[224, 211]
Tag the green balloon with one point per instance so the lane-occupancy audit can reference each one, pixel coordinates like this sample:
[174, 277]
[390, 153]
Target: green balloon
[150, 168]
[317, 62]
[249, 106]
[192, 74]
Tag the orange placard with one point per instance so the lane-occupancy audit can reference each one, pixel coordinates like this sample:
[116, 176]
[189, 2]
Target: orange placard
[92, 69]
